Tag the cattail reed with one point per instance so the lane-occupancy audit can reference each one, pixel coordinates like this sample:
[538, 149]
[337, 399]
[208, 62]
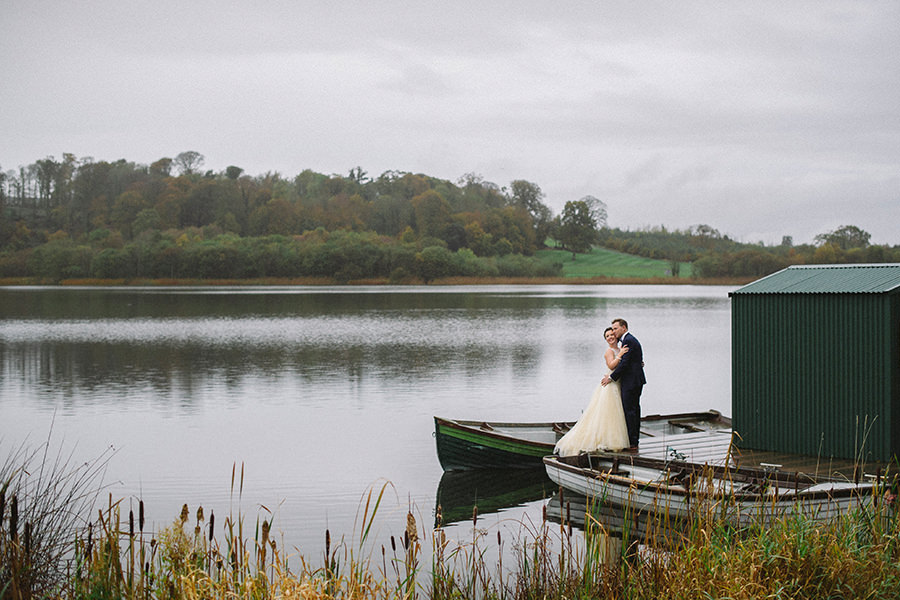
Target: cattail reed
[14, 519]
[212, 522]
[263, 544]
[141, 516]
[411, 530]
[184, 514]
[198, 530]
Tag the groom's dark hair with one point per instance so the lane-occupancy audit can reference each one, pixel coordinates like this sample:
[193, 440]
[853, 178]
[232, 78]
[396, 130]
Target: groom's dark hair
[621, 322]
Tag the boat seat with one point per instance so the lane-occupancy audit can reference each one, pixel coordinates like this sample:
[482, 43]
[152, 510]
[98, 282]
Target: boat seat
[680, 477]
[684, 425]
[561, 428]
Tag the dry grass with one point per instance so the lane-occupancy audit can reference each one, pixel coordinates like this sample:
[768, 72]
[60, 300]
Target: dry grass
[205, 556]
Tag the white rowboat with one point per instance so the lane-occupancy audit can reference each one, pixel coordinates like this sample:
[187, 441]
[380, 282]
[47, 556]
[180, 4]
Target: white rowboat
[680, 489]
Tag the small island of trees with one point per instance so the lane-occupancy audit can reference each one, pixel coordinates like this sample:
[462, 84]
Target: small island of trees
[79, 219]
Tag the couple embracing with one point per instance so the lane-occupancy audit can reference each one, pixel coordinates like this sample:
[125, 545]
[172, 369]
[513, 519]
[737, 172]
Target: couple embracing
[612, 420]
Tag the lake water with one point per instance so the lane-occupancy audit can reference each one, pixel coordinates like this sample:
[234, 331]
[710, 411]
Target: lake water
[321, 394]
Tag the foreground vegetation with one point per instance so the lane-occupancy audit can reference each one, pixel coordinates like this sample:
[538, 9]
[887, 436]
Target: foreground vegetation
[45, 552]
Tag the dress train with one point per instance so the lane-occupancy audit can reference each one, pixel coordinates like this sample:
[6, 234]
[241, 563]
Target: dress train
[601, 426]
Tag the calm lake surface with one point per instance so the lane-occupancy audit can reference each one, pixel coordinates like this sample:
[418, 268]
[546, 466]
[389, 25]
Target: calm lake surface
[324, 393]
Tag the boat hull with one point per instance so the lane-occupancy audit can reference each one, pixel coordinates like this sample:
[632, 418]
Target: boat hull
[495, 445]
[468, 445]
[677, 490]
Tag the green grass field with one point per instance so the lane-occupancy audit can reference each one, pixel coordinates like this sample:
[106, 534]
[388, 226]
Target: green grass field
[601, 262]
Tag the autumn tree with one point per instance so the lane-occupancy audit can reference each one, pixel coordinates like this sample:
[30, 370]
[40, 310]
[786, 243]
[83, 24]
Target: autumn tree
[478, 194]
[529, 196]
[125, 210]
[189, 161]
[577, 227]
[704, 235]
[432, 213]
[347, 212]
[597, 210]
[161, 167]
[232, 172]
[391, 215]
[359, 176]
[845, 237]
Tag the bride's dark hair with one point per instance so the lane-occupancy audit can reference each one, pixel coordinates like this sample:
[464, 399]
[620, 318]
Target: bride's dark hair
[605, 330]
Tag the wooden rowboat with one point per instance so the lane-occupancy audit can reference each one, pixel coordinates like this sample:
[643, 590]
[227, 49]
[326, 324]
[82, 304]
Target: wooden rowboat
[496, 445]
[679, 489]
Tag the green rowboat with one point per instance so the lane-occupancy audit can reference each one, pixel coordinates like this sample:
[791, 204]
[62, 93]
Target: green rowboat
[496, 445]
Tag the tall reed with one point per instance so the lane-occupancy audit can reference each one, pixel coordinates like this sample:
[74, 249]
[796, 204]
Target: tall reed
[45, 504]
[639, 555]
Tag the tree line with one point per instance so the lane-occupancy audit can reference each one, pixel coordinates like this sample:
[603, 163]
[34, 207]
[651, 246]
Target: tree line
[714, 255]
[80, 218]
[84, 218]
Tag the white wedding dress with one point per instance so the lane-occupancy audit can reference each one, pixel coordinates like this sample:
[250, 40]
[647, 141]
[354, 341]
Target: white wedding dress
[601, 426]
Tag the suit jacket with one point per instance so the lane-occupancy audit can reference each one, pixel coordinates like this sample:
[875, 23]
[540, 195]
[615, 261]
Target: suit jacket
[630, 371]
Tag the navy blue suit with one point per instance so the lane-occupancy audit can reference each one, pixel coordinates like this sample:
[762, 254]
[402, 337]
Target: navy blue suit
[630, 375]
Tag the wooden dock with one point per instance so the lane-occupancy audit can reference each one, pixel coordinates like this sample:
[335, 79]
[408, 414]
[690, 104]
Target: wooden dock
[717, 446]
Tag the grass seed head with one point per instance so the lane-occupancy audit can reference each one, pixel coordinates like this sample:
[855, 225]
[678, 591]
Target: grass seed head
[411, 530]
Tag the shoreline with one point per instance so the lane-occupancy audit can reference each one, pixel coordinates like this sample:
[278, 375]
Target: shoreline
[324, 281]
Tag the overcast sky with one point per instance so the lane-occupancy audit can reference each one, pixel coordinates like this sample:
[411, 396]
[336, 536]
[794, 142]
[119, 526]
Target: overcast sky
[761, 119]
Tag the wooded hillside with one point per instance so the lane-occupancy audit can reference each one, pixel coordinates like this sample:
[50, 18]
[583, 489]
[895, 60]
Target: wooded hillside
[81, 218]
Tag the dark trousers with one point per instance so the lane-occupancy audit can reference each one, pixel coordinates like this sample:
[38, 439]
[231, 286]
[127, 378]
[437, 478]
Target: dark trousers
[631, 403]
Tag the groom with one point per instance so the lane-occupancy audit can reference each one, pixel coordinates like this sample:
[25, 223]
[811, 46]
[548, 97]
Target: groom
[630, 375]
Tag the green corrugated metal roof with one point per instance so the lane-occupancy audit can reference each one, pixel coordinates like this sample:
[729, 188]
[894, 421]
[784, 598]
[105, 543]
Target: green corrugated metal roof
[828, 279]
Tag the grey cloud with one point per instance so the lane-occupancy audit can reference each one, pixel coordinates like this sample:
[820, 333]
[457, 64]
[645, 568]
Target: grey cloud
[673, 113]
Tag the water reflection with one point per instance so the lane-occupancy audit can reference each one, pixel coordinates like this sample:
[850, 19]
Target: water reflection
[323, 392]
[165, 356]
[204, 302]
[459, 493]
[617, 526]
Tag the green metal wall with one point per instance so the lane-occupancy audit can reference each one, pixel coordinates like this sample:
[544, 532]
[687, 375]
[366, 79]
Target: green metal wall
[817, 374]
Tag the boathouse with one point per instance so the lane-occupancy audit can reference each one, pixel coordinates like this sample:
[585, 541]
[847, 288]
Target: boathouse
[816, 362]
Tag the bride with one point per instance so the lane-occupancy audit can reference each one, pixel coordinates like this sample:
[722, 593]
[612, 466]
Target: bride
[602, 425]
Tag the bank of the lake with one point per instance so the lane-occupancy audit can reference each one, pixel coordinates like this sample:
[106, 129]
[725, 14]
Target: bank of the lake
[324, 281]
